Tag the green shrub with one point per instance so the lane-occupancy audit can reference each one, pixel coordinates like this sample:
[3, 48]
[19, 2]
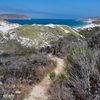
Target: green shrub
[74, 52]
[61, 77]
[52, 75]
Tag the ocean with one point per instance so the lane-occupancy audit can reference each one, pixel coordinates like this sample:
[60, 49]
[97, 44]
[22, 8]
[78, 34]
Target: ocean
[69, 22]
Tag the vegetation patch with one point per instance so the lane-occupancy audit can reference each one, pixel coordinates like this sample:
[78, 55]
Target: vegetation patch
[27, 31]
[52, 75]
[87, 33]
[61, 77]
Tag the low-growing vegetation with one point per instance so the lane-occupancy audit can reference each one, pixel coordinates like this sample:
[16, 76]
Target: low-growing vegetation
[87, 33]
[22, 70]
[27, 31]
[52, 75]
[82, 69]
[22, 67]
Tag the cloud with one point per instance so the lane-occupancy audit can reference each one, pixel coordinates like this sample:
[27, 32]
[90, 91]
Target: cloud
[31, 12]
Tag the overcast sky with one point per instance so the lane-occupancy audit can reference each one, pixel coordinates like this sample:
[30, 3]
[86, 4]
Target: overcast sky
[52, 8]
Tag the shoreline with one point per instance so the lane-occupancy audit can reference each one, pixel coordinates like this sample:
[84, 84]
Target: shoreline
[89, 25]
[5, 25]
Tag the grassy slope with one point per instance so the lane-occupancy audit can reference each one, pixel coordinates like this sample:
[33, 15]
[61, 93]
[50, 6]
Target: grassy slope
[39, 35]
[33, 32]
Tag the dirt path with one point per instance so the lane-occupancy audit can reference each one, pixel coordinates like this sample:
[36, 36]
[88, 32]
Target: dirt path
[39, 92]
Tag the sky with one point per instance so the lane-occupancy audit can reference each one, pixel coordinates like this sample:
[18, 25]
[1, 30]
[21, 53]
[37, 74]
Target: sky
[54, 9]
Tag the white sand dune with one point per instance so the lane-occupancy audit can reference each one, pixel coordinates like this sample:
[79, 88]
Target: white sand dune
[89, 26]
[4, 26]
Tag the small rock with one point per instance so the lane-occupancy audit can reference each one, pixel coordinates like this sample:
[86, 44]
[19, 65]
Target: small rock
[18, 92]
[8, 96]
[1, 83]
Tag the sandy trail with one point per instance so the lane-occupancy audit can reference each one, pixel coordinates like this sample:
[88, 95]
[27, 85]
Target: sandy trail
[39, 92]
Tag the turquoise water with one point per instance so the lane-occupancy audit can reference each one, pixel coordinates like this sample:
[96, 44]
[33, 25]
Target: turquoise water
[69, 22]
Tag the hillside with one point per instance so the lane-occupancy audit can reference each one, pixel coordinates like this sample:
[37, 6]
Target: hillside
[13, 16]
[61, 63]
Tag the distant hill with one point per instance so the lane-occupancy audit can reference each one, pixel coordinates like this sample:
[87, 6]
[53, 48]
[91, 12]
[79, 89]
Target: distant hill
[90, 18]
[13, 16]
[95, 20]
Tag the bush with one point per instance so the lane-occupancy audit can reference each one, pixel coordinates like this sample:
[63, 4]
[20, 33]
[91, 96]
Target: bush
[61, 77]
[52, 75]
